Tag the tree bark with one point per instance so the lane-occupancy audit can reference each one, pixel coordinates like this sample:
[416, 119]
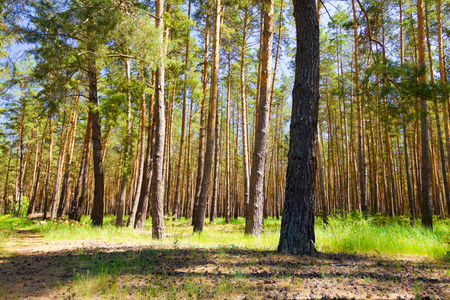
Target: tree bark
[5, 194]
[157, 186]
[427, 207]
[254, 216]
[201, 152]
[126, 164]
[199, 215]
[178, 192]
[245, 151]
[141, 214]
[63, 206]
[49, 164]
[32, 206]
[97, 207]
[297, 227]
[80, 192]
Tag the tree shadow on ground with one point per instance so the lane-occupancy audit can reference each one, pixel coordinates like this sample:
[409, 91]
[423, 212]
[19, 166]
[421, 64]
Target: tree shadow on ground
[146, 272]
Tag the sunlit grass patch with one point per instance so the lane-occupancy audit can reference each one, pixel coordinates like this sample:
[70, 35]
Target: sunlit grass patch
[344, 234]
[359, 235]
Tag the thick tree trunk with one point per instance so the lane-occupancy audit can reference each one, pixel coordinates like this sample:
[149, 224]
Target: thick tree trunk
[199, 211]
[157, 186]
[297, 227]
[254, 216]
[97, 207]
[427, 207]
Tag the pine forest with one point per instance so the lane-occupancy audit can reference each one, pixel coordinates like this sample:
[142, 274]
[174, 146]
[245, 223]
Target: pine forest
[295, 113]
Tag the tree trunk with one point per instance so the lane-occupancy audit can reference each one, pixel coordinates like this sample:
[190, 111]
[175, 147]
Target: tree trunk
[443, 80]
[21, 153]
[63, 206]
[126, 163]
[59, 168]
[201, 142]
[97, 207]
[297, 227]
[5, 194]
[177, 198]
[254, 215]
[437, 116]
[80, 192]
[427, 208]
[140, 170]
[142, 208]
[49, 165]
[32, 205]
[157, 186]
[215, 196]
[245, 152]
[227, 145]
[199, 212]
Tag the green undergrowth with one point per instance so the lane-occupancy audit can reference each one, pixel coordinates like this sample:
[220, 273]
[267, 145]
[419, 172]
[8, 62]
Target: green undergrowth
[381, 235]
[344, 234]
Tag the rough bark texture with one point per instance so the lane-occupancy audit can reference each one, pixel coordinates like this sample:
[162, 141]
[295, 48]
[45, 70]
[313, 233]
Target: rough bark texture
[199, 211]
[297, 226]
[157, 186]
[97, 207]
[254, 215]
[427, 207]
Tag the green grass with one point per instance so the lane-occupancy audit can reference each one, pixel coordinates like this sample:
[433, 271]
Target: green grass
[383, 236]
[349, 234]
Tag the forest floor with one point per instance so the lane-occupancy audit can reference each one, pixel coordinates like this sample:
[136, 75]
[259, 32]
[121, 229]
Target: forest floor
[32, 267]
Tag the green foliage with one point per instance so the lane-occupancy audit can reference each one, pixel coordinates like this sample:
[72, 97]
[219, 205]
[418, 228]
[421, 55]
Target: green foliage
[377, 234]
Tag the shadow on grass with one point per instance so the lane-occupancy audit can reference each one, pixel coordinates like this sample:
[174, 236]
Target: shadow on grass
[199, 273]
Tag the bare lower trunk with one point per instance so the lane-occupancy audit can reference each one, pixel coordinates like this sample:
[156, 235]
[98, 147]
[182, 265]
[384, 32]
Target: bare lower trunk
[297, 227]
[97, 207]
[199, 211]
[157, 186]
[254, 215]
